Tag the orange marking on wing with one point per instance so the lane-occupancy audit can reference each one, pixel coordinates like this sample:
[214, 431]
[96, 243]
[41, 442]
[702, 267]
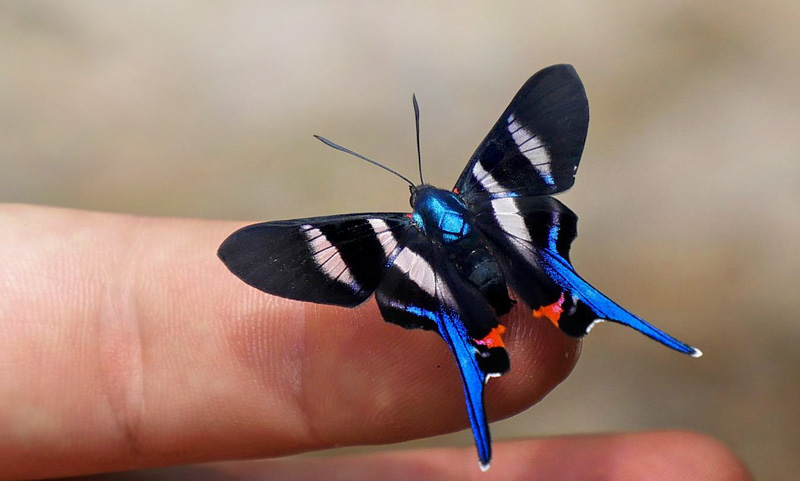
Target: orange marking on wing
[493, 339]
[551, 312]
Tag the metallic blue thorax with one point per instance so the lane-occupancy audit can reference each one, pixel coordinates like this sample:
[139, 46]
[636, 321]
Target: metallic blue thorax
[442, 215]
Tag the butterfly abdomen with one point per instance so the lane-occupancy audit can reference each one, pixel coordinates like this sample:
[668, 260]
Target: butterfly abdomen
[483, 271]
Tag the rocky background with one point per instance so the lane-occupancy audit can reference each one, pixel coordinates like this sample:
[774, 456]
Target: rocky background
[689, 190]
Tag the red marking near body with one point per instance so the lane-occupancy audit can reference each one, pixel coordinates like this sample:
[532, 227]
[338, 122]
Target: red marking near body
[455, 190]
[493, 339]
[551, 312]
[409, 216]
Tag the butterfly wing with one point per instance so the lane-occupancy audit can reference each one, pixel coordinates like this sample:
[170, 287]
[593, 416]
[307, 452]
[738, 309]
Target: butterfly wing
[535, 146]
[329, 260]
[533, 236]
[421, 288]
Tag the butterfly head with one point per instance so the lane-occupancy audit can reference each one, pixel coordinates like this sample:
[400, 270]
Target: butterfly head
[415, 191]
[419, 194]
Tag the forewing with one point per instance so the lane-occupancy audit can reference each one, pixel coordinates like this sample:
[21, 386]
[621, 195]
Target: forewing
[329, 260]
[422, 289]
[532, 236]
[536, 145]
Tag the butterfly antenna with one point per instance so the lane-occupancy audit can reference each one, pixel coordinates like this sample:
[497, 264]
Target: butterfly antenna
[356, 154]
[416, 122]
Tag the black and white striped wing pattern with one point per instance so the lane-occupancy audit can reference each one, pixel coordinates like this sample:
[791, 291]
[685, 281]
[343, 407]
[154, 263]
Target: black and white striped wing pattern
[536, 145]
[421, 278]
[519, 228]
[329, 260]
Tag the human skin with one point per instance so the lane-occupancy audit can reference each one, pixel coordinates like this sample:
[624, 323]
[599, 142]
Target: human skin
[126, 344]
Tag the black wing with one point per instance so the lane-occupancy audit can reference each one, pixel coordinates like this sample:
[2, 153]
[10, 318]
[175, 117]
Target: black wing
[533, 236]
[422, 289]
[329, 260]
[535, 147]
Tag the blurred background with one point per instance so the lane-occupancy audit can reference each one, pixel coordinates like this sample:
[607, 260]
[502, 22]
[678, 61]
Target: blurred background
[689, 190]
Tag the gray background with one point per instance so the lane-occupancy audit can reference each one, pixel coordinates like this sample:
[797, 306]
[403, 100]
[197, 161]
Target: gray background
[688, 192]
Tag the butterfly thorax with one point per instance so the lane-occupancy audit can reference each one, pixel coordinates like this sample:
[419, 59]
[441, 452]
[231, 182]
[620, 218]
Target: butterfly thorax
[445, 219]
[442, 216]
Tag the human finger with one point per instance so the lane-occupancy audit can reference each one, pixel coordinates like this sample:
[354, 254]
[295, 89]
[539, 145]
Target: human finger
[655, 456]
[127, 344]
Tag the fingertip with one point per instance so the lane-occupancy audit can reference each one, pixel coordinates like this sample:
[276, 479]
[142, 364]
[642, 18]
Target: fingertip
[222, 370]
[653, 456]
[541, 358]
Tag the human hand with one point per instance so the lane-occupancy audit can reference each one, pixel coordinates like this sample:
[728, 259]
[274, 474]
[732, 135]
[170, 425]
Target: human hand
[126, 344]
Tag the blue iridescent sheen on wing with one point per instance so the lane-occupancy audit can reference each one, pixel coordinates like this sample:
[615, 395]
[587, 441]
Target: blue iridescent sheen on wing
[534, 235]
[473, 379]
[565, 276]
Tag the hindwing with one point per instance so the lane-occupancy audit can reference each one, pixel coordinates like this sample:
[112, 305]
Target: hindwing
[532, 236]
[422, 288]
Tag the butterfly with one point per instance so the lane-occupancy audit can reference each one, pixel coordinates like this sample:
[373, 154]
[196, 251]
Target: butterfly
[448, 265]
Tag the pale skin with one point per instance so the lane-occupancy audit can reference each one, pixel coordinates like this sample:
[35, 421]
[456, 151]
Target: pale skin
[125, 344]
